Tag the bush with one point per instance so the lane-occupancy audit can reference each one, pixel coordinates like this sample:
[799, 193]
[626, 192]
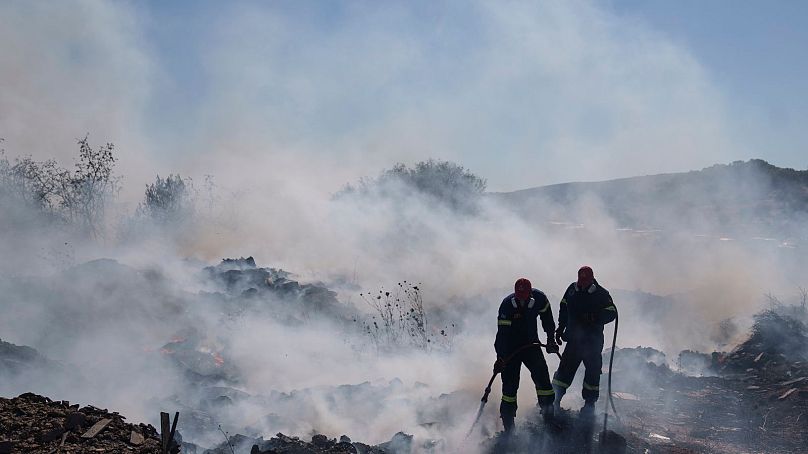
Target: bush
[84, 195]
[400, 321]
[78, 198]
[443, 182]
[168, 200]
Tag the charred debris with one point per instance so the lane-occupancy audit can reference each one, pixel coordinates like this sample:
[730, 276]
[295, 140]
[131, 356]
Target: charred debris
[752, 398]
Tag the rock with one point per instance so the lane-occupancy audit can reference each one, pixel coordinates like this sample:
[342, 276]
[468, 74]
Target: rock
[319, 440]
[75, 420]
[400, 442]
[319, 444]
[238, 442]
[135, 438]
[51, 435]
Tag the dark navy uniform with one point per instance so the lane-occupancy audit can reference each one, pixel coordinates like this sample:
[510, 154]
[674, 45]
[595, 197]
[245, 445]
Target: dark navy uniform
[517, 326]
[581, 317]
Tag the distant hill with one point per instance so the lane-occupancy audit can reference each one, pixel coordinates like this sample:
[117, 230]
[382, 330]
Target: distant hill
[751, 198]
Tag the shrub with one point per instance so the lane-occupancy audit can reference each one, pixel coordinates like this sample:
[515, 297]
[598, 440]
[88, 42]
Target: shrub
[78, 198]
[400, 321]
[168, 200]
[441, 182]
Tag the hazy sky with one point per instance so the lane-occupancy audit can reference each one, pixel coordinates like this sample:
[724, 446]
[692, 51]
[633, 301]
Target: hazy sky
[522, 93]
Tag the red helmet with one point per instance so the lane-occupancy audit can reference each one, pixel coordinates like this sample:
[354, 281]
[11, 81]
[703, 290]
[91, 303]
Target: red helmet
[522, 289]
[586, 277]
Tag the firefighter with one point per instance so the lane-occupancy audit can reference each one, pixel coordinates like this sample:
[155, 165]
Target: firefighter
[517, 327]
[585, 308]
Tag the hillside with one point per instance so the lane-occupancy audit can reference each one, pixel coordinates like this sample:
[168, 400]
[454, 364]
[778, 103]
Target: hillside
[743, 198]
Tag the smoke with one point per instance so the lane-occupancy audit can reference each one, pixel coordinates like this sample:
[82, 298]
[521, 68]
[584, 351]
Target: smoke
[290, 107]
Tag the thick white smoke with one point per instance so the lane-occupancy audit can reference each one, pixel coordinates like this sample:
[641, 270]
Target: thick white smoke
[288, 112]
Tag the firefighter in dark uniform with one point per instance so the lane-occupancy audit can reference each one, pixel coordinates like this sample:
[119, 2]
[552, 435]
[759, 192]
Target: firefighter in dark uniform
[585, 308]
[517, 327]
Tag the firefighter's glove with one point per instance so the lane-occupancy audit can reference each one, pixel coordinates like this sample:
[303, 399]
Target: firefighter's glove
[551, 347]
[559, 336]
[499, 365]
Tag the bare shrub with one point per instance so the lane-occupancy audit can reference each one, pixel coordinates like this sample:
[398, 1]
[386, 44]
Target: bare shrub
[84, 195]
[399, 321]
[78, 198]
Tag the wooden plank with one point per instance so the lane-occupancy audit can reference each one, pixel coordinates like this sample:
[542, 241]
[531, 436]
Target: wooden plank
[791, 382]
[97, 427]
[625, 396]
[173, 429]
[165, 427]
[788, 393]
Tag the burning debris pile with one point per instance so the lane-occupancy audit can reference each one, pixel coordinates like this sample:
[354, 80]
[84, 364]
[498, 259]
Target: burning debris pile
[312, 411]
[755, 400]
[319, 444]
[778, 346]
[243, 281]
[31, 423]
[200, 362]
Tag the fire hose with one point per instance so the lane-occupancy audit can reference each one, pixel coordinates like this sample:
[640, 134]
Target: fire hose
[603, 435]
[507, 359]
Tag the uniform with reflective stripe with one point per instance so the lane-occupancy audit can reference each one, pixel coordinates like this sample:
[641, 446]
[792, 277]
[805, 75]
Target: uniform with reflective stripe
[591, 387]
[517, 322]
[517, 325]
[560, 383]
[582, 314]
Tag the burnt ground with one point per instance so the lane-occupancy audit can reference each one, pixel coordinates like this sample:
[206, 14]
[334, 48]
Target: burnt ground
[35, 424]
[753, 399]
[680, 414]
[31, 423]
[759, 409]
[727, 414]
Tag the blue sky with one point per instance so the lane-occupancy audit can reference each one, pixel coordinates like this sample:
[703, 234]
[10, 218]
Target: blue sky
[758, 54]
[523, 93]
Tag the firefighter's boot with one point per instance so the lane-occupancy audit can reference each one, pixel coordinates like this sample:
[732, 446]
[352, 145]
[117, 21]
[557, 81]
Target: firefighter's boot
[559, 393]
[588, 410]
[507, 423]
[547, 413]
